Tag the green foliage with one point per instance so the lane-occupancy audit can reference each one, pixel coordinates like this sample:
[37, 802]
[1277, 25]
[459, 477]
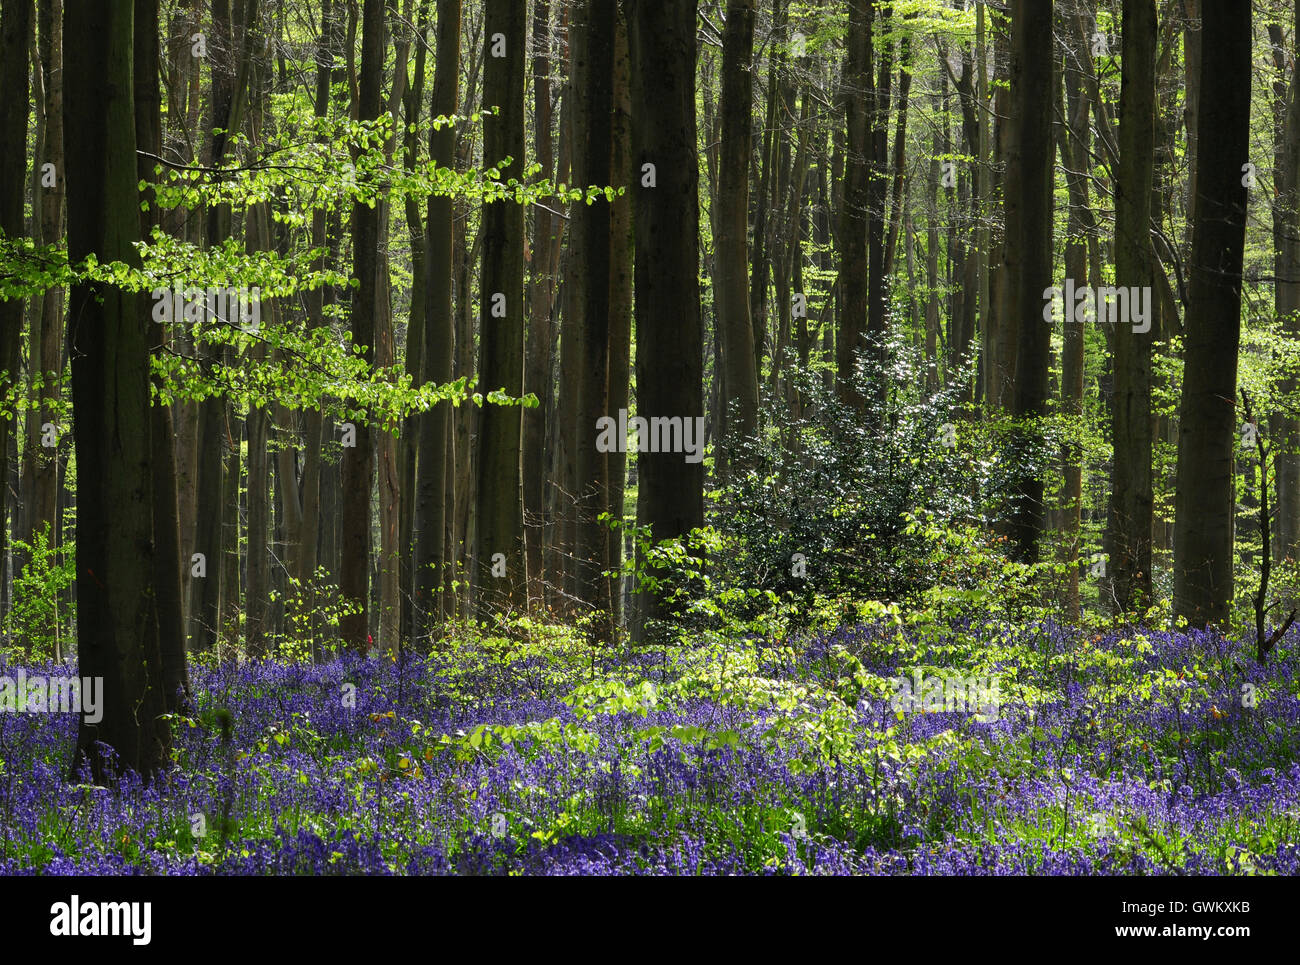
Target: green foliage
[312, 613]
[41, 620]
[845, 503]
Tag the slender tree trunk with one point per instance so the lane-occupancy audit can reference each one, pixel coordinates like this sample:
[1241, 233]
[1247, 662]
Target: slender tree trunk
[1286, 291]
[1027, 254]
[852, 240]
[898, 163]
[592, 34]
[731, 226]
[1132, 499]
[1204, 504]
[1074, 154]
[228, 73]
[983, 181]
[168, 566]
[877, 188]
[669, 358]
[45, 355]
[537, 377]
[16, 25]
[359, 460]
[415, 329]
[1192, 52]
[499, 511]
[432, 478]
[620, 298]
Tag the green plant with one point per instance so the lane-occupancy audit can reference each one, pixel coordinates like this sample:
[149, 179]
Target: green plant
[40, 619]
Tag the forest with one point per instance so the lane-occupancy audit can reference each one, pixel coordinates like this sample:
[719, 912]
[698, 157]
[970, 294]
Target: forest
[649, 437]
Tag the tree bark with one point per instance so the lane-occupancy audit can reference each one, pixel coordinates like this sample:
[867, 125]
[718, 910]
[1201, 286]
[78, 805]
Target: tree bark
[168, 567]
[117, 627]
[1286, 291]
[1131, 429]
[1204, 504]
[16, 26]
[432, 478]
[359, 460]
[854, 212]
[499, 507]
[669, 332]
[731, 227]
[1027, 254]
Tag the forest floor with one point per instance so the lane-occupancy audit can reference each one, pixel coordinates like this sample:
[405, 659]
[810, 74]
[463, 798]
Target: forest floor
[1066, 752]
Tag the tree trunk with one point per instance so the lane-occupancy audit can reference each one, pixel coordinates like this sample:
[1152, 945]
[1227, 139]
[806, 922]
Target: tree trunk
[409, 449]
[877, 188]
[1132, 498]
[1286, 291]
[537, 377]
[731, 227]
[669, 358]
[592, 34]
[16, 25]
[853, 210]
[117, 626]
[499, 566]
[168, 566]
[620, 299]
[1027, 254]
[434, 426]
[1075, 155]
[45, 354]
[1204, 503]
[359, 460]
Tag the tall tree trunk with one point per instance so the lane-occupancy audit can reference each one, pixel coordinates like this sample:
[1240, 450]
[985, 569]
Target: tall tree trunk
[302, 497]
[620, 299]
[932, 265]
[877, 189]
[499, 508]
[16, 25]
[168, 567]
[898, 161]
[537, 376]
[117, 626]
[1131, 483]
[669, 332]
[408, 452]
[391, 551]
[1027, 254]
[228, 73]
[852, 240]
[359, 460]
[1192, 52]
[731, 226]
[592, 34]
[766, 162]
[45, 355]
[1286, 291]
[432, 478]
[1204, 503]
[1075, 156]
[1000, 321]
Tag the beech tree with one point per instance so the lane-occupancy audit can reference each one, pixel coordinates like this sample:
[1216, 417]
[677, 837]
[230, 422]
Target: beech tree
[108, 338]
[1208, 423]
[669, 333]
